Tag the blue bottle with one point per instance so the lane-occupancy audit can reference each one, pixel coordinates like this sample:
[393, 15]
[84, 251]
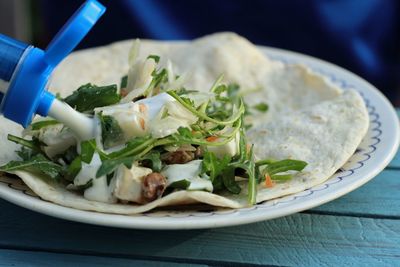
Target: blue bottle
[25, 70]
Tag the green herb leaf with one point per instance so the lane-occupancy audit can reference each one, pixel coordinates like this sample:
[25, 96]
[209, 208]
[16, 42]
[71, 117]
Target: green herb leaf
[133, 146]
[233, 90]
[70, 154]
[33, 144]
[220, 89]
[184, 91]
[187, 103]
[88, 148]
[73, 169]
[109, 178]
[124, 82]
[228, 178]
[85, 186]
[158, 79]
[155, 58]
[284, 166]
[214, 166]
[42, 124]
[246, 162]
[26, 154]
[282, 177]
[36, 163]
[111, 132]
[110, 165]
[185, 132]
[153, 157]
[262, 107]
[89, 96]
[181, 184]
[252, 186]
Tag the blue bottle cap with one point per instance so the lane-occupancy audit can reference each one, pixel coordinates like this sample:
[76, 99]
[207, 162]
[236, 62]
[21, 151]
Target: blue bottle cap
[26, 94]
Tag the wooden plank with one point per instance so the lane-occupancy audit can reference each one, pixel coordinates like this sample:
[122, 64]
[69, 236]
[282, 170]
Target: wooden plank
[301, 239]
[378, 198]
[395, 163]
[44, 259]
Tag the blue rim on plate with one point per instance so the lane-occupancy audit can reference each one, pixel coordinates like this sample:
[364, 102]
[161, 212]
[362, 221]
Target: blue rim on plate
[374, 153]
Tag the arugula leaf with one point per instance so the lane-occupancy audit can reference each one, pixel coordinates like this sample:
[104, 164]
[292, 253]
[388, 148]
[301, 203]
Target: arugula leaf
[26, 153]
[264, 162]
[262, 107]
[89, 96]
[252, 186]
[85, 186]
[41, 124]
[88, 148]
[33, 144]
[220, 89]
[181, 184]
[185, 132]
[153, 157]
[282, 177]
[184, 91]
[109, 178]
[73, 169]
[245, 161]
[214, 166]
[228, 178]
[233, 90]
[155, 58]
[124, 82]
[158, 78]
[134, 150]
[284, 166]
[184, 102]
[111, 132]
[109, 165]
[243, 155]
[70, 154]
[221, 175]
[133, 146]
[36, 163]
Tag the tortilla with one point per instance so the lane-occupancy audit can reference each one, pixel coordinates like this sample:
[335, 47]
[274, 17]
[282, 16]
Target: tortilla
[309, 118]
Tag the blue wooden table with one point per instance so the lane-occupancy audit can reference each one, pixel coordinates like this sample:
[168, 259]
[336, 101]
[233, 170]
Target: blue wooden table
[360, 229]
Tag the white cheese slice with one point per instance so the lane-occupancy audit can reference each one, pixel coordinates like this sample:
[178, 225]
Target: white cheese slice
[229, 149]
[57, 139]
[128, 183]
[131, 117]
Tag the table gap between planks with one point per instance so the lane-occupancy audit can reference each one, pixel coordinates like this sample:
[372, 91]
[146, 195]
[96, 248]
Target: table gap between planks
[361, 228]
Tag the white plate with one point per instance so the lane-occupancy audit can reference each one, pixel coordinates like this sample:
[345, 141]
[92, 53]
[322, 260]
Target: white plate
[374, 153]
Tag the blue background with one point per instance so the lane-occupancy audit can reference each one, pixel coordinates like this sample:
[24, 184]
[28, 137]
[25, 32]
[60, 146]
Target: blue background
[360, 35]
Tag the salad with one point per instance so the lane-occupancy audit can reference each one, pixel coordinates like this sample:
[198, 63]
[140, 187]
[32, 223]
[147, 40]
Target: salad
[153, 137]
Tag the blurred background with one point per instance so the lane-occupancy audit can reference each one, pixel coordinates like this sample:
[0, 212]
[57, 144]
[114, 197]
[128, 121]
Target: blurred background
[360, 35]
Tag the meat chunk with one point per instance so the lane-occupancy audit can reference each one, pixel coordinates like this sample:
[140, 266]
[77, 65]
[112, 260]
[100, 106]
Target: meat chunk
[178, 157]
[153, 186]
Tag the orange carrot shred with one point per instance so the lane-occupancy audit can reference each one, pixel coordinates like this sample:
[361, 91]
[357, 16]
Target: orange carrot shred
[212, 138]
[268, 181]
[142, 123]
[142, 108]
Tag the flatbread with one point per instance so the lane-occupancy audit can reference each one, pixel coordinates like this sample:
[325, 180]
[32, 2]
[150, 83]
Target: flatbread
[309, 118]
